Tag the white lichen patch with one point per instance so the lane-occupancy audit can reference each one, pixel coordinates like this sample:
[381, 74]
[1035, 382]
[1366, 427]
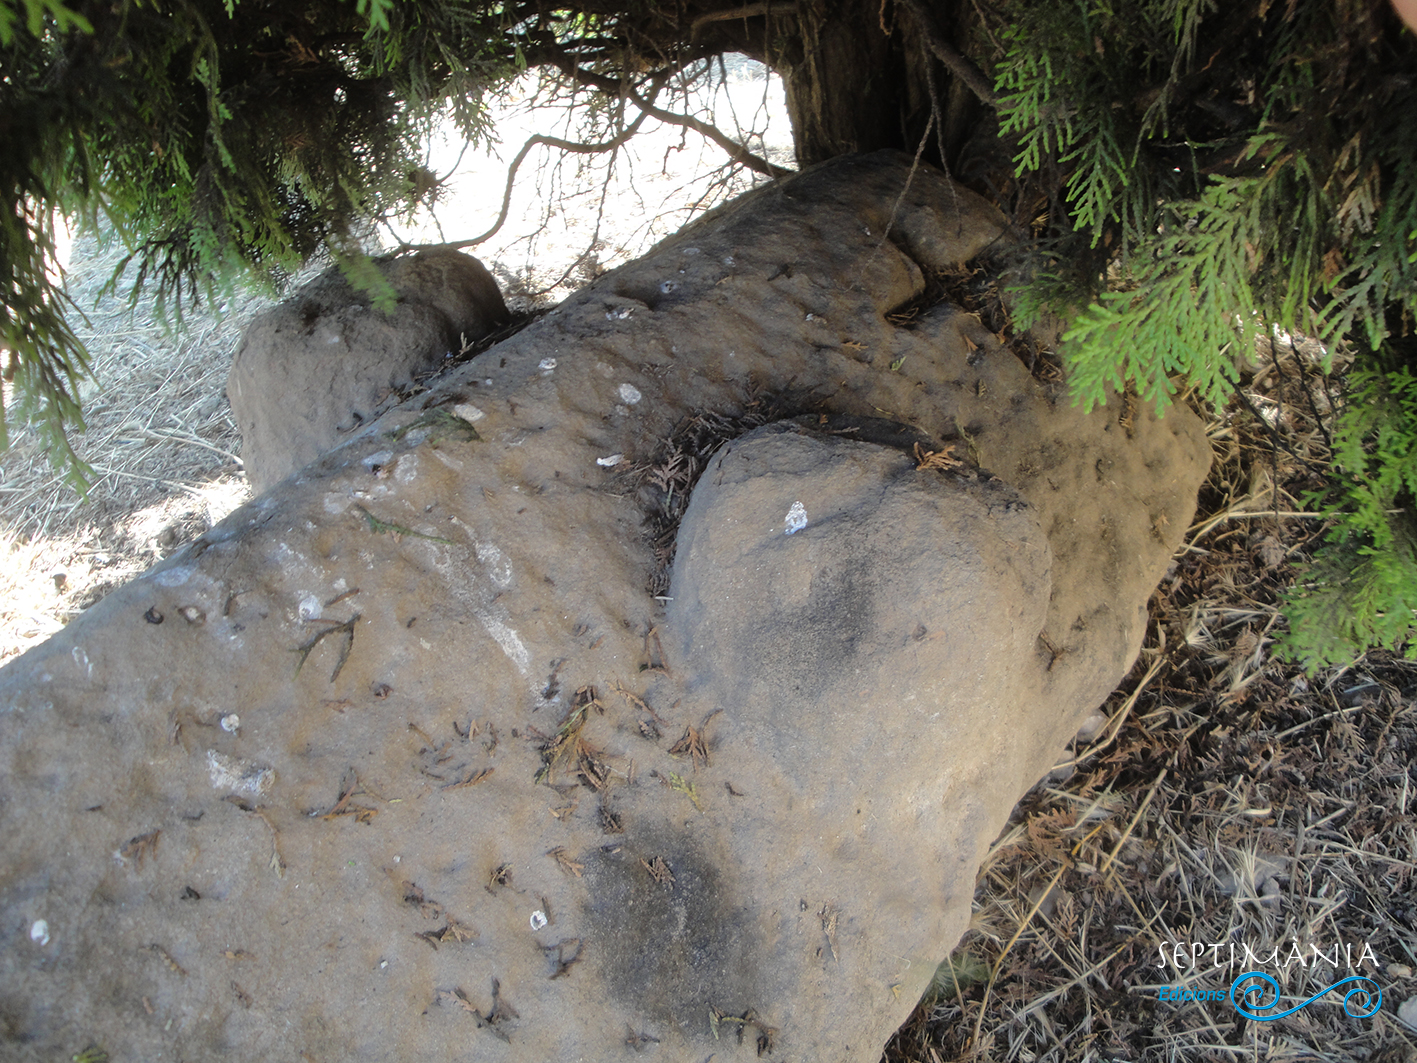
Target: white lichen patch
[406, 471]
[509, 640]
[309, 607]
[456, 464]
[174, 577]
[498, 565]
[228, 773]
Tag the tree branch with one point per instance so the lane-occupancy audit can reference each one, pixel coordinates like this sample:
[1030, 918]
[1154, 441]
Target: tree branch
[763, 7]
[961, 66]
[551, 142]
[739, 153]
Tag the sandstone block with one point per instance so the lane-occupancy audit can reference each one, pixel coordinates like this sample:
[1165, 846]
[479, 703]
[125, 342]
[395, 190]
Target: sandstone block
[491, 798]
[321, 364]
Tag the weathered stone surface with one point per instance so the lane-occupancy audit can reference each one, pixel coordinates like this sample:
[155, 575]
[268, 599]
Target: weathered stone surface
[319, 365]
[410, 628]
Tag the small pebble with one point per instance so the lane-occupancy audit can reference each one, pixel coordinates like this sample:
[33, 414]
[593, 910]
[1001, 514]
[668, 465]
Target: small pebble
[629, 394]
[231, 723]
[39, 932]
[1407, 1012]
[610, 461]
[468, 412]
[796, 518]
[538, 919]
[1091, 728]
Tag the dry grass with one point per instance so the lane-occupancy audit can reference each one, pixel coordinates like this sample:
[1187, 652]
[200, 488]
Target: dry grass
[162, 446]
[1222, 796]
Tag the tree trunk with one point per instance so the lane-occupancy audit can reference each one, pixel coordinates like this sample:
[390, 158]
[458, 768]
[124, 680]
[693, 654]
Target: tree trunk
[857, 80]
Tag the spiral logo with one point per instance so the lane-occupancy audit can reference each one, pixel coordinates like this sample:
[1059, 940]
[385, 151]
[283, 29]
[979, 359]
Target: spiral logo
[1360, 1002]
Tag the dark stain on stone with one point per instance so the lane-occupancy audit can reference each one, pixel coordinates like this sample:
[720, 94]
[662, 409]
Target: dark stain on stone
[814, 643]
[670, 951]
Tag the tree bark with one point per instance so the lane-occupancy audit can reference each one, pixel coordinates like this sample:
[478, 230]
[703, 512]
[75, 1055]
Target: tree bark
[858, 78]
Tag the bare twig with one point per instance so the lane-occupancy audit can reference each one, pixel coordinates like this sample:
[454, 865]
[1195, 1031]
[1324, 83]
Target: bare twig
[737, 152]
[961, 66]
[572, 146]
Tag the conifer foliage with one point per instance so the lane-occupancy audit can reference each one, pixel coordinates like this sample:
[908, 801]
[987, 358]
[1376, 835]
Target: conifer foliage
[1217, 172]
[236, 138]
[218, 139]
